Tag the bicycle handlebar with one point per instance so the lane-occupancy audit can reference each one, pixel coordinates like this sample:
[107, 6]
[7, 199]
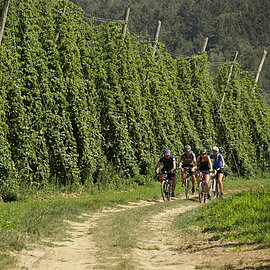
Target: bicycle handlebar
[165, 172]
[186, 168]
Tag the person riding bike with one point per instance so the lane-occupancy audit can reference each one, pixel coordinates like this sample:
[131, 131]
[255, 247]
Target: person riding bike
[204, 166]
[188, 162]
[218, 165]
[168, 163]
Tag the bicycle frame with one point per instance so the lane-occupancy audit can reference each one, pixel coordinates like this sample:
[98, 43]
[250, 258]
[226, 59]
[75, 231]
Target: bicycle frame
[187, 182]
[202, 189]
[166, 187]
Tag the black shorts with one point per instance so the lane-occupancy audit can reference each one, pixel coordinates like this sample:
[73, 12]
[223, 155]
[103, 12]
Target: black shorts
[170, 175]
[189, 169]
[205, 172]
[219, 171]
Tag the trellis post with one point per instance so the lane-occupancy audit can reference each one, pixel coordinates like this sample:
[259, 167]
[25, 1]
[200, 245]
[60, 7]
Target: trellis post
[124, 29]
[260, 66]
[3, 19]
[205, 44]
[229, 78]
[156, 38]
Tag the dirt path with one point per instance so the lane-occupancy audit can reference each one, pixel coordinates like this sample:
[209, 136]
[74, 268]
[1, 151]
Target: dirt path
[158, 251]
[159, 247]
[76, 252]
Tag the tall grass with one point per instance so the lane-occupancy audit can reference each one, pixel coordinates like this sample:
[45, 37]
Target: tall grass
[243, 217]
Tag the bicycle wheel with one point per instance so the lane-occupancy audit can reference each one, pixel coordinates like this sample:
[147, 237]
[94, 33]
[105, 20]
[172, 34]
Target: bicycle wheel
[201, 192]
[163, 190]
[169, 190]
[187, 187]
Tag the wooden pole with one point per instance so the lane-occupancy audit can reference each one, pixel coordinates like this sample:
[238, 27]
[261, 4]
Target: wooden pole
[260, 66]
[156, 38]
[3, 19]
[231, 67]
[205, 44]
[124, 29]
[57, 35]
[229, 78]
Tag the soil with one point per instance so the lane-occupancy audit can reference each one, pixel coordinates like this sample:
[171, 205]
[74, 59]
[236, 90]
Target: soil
[165, 248]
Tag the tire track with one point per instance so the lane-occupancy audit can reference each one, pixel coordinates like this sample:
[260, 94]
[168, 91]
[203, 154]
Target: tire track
[78, 251]
[157, 250]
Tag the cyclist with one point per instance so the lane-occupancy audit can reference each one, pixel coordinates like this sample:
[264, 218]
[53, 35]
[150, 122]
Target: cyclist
[218, 165]
[168, 163]
[204, 166]
[188, 161]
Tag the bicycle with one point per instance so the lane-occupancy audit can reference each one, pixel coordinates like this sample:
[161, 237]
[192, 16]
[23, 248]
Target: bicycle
[187, 182]
[202, 189]
[166, 187]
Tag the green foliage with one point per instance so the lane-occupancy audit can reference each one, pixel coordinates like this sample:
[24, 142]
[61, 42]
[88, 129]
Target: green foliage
[243, 217]
[229, 25]
[80, 104]
[240, 118]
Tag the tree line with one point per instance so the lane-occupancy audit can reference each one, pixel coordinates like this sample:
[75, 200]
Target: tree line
[240, 25]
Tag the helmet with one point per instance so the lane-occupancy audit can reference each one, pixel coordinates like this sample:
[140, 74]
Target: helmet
[167, 152]
[215, 149]
[187, 148]
[203, 151]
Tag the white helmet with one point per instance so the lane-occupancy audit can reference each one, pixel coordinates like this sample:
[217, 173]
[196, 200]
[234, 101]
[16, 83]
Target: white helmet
[215, 148]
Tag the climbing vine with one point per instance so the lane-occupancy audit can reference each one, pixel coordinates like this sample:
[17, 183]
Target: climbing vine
[79, 101]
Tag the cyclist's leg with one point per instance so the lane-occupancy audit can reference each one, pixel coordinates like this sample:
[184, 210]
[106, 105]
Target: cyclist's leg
[183, 176]
[220, 177]
[206, 182]
[197, 176]
[200, 179]
[161, 176]
[213, 174]
[211, 179]
[173, 179]
[193, 176]
[193, 179]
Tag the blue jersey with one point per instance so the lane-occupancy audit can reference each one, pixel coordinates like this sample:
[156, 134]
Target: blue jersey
[217, 161]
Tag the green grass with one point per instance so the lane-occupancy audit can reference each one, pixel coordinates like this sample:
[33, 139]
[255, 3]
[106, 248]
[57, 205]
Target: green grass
[33, 220]
[233, 183]
[119, 232]
[37, 218]
[243, 217]
[41, 213]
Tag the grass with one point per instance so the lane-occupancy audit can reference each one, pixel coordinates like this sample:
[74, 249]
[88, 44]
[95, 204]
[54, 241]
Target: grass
[25, 222]
[234, 183]
[41, 215]
[120, 232]
[243, 217]
[37, 218]
[7, 261]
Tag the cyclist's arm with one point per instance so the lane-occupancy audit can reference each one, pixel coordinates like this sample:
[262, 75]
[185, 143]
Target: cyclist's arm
[223, 163]
[174, 166]
[195, 162]
[210, 164]
[180, 165]
[157, 167]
